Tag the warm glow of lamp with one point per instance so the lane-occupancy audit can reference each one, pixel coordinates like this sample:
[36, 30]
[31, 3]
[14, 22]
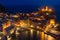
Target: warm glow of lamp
[12, 31]
[50, 10]
[15, 16]
[27, 14]
[7, 24]
[32, 26]
[52, 21]
[38, 27]
[46, 8]
[43, 9]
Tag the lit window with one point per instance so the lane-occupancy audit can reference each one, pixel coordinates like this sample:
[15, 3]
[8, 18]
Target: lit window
[47, 13]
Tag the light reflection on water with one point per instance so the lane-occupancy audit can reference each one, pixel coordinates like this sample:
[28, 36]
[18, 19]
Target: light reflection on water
[38, 35]
[33, 35]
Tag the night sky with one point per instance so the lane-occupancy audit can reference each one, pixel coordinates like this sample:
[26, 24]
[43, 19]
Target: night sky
[29, 2]
[32, 4]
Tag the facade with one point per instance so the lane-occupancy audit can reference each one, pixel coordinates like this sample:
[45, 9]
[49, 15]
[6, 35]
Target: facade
[30, 26]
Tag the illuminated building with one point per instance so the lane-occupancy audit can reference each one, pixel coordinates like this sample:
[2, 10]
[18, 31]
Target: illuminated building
[35, 25]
